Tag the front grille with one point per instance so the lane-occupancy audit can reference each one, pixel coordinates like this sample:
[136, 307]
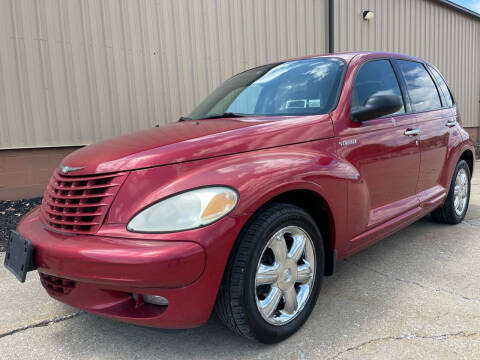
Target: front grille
[78, 204]
[56, 286]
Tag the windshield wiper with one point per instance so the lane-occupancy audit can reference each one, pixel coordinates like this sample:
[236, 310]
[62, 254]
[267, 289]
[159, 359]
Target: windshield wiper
[224, 115]
[183, 118]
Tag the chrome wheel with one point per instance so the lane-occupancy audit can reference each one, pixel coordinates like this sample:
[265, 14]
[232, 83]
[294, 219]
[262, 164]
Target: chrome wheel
[285, 275]
[460, 195]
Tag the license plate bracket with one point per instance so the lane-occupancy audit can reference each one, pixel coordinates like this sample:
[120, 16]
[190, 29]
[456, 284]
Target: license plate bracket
[19, 256]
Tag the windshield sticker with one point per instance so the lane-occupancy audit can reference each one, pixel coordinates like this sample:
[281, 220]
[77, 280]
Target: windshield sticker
[296, 104]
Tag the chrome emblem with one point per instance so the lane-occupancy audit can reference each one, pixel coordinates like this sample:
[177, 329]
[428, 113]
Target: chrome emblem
[66, 169]
[347, 142]
[287, 274]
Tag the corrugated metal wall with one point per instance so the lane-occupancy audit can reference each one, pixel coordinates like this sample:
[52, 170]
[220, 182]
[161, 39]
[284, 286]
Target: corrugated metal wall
[77, 71]
[422, 28]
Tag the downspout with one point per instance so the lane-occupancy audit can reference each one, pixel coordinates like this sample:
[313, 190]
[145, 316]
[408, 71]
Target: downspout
[331, 47]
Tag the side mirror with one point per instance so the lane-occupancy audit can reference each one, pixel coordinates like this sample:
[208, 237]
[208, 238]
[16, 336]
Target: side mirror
[376, 106]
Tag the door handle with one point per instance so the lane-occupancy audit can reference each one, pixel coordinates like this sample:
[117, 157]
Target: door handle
[451, 123]
[412, 132]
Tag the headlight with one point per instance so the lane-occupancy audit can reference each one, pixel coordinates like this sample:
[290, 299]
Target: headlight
[188, 210]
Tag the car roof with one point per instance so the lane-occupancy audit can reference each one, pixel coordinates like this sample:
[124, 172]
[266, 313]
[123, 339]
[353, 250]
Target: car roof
[348, 56]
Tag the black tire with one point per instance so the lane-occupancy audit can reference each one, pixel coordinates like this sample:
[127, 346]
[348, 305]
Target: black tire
[446, 214]
[236, 301]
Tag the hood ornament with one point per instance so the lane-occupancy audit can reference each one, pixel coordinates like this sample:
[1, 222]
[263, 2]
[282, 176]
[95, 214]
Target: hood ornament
[66, 169]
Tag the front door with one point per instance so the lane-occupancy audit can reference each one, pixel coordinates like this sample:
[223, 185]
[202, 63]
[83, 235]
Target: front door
[385, 153]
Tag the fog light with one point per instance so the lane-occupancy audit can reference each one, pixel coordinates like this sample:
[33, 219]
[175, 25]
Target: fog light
[152, 299]
[155, 299]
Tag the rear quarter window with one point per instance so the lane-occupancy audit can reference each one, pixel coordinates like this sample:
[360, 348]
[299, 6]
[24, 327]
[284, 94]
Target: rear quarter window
[443, 87]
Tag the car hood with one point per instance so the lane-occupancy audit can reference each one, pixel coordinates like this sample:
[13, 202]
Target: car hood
[194, 140]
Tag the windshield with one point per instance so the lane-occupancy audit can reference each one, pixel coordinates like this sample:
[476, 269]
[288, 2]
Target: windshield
[299, 87]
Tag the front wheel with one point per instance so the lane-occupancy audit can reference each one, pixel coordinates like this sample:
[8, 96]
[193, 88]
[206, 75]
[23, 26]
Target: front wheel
[274, 274]
[455, 207]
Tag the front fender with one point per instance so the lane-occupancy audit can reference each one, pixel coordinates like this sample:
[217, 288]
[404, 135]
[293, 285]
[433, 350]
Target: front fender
[258, 176]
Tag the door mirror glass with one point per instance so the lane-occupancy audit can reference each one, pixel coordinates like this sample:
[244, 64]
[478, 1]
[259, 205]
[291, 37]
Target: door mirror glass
[377, 105]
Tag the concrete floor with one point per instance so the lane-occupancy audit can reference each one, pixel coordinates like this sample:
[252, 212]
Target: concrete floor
[413, 295]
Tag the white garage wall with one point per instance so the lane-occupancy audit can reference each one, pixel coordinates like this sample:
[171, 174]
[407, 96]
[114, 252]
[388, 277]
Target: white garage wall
[73, 72]
[423, 28]
[77, 71]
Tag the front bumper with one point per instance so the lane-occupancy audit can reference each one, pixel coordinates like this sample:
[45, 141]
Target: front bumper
[99, 274]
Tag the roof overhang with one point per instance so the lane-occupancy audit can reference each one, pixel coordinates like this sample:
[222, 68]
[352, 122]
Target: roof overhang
[459, 8]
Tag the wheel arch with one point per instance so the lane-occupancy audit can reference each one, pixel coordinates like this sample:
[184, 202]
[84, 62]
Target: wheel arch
[469, 158]
[318, 208]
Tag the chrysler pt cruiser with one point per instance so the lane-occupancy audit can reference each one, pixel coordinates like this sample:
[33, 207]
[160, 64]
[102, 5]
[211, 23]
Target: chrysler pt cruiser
[247, 203]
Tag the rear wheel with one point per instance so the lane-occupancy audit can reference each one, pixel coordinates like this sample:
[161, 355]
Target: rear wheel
[274, 274]
[455, 207]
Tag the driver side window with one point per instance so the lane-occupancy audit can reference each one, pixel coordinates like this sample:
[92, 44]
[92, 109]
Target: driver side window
[375, 76]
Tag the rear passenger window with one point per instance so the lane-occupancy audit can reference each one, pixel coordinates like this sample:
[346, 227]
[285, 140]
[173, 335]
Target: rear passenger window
[420, 86]
[374, 76]
[443, 86]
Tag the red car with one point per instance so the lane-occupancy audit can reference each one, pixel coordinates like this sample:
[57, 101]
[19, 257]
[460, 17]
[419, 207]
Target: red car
[246, 204]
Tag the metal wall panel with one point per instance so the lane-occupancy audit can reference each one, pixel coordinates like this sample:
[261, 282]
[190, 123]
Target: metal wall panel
[422, 28]
[77, 71]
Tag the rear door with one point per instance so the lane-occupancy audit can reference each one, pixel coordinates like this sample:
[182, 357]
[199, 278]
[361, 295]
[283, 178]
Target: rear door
[454, 135]
[384, 153]
[432, 116]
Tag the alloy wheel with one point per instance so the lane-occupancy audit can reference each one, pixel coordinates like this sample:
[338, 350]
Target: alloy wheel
[285, 275]
[460, 192]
